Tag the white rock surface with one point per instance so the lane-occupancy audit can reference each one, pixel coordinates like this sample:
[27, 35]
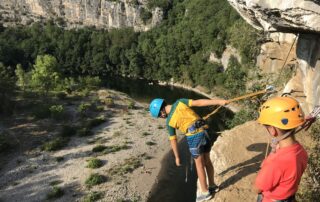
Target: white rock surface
[78, 13]
[270, 15]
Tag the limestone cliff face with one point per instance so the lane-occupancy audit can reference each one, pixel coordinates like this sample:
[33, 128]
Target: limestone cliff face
[78, 13]
[270, 15]
[283, 21]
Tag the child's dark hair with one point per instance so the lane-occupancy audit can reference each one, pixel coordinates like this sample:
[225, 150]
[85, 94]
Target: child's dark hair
[164, 104]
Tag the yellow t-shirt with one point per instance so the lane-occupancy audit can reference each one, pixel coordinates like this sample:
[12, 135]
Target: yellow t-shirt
[180, 117]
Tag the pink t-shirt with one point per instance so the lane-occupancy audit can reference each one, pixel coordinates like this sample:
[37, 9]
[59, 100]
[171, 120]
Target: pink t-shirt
[281, 172]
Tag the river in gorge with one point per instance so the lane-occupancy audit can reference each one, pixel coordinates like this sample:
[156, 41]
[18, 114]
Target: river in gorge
[174, 184]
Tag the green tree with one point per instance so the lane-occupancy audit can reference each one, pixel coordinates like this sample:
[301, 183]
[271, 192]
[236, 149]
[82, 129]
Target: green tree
[246, 42]
[22, 77]
[45, 76]
[235, 80]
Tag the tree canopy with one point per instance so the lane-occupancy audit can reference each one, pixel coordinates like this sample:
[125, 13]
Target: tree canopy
[177, 49]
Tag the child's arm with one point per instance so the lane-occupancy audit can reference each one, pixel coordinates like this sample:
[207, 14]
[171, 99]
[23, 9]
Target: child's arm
[174, 146]
[208, 102]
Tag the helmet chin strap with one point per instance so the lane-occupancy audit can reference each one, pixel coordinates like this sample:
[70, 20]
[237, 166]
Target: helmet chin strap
[275, 140]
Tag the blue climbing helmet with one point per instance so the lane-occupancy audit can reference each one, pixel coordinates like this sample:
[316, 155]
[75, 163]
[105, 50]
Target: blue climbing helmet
[155, 107]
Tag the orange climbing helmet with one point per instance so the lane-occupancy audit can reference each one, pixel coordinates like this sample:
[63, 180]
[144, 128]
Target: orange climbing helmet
[281, 112]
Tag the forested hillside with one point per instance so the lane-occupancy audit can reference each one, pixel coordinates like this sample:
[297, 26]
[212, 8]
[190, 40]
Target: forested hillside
[179, 48]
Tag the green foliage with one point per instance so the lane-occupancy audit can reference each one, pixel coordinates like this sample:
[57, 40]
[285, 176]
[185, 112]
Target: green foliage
[94, 163]
[57, 112]
[69, 85]
[22, 76]
[88, 82]
[84, 107]
[108, 101]
[310, 191]
[56, 192]
[109, 149]
[128, 166]
[246, 42]
[131, 104]
[93, 196]
[315, 131]
[55, 144]
[145, 15]
[240, 117]
[95, 179]
[177, 49]
[115, 148]
[98, 148]
[235, 78]
[44, 76]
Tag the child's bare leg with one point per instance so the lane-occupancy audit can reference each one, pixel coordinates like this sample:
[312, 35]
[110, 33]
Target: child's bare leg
[200, 166]
[209, 168]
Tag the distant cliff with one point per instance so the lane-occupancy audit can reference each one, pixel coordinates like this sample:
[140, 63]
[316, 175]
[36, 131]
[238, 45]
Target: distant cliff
[79, 13]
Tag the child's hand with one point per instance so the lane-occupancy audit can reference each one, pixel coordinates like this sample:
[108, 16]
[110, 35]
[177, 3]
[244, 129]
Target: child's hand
[178, 162]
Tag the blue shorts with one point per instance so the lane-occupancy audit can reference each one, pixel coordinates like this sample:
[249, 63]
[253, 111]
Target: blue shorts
[199, 143]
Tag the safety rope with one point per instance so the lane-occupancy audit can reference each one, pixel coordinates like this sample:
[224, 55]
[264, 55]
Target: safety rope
[269, 89]
[285, 61]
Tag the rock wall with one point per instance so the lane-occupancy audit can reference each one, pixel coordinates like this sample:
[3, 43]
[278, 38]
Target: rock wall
[274, 52]
[79, 13]
[304, 58]
[283, 21]
[308, 74]
[270, 15]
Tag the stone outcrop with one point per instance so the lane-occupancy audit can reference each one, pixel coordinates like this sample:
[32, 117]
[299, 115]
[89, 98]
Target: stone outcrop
[283, 21]
[285, 16]
[237, 155]
[308, 74]
[274, 53]
[303, 59]
[226, 55]
[78, 13]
